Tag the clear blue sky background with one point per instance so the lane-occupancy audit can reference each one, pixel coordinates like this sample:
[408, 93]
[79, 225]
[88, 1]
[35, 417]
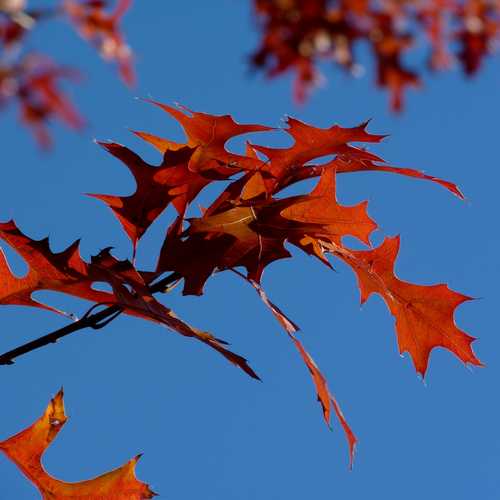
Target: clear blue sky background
[206, 430]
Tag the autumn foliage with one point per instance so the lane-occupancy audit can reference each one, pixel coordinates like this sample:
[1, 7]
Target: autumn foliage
[298, 34]
[33, 80]
[26, 448]
[247, 227]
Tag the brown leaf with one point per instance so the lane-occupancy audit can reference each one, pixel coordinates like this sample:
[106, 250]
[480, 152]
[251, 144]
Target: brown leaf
[157, 187]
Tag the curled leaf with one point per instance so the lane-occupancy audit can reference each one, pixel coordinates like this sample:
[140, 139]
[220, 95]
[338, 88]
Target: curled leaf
[27, 447]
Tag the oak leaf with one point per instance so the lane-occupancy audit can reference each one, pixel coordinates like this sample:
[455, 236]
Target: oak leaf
[311, 143]
[252, 233]
[27, 447]
[66, 272]
[209, 134]
[157, 187]
[324, 395]
[247, 226]
[423, 313]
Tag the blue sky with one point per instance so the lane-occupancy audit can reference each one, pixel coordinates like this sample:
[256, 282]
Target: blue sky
[206, 430]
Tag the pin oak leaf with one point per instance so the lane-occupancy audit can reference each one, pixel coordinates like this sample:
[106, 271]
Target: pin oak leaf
[27, 447]
[423, 314]
[249, 225]
[66, 272]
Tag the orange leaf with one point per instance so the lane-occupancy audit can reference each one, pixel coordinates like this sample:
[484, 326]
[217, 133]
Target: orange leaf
[26, 448]
[66, 272]
[132, 293]
[209, 134]
[321, 209]
[63, 272]
[348, 164]
[424, 314]
[323, 392]
[313, 142]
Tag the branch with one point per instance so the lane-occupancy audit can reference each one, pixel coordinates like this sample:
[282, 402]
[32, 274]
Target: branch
[96, 321]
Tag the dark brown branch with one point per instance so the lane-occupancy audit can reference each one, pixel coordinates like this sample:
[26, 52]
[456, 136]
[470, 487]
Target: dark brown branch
[96, 321]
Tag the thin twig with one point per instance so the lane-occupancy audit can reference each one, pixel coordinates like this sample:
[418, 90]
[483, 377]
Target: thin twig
[96, 321]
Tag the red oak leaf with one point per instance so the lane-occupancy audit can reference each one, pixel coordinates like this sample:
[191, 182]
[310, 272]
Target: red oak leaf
[313, 142]
[252, 234]
[332, 221]
[134, 296]
[216, 242]
[324, 395]
[63, 272]
[423, 314]
[209, 134]
[66, 272]
[26, 448]
[157, 187]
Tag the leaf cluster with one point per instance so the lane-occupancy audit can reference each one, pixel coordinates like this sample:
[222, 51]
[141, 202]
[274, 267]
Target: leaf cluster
[298, 34]
[32, 80]
[247, 227]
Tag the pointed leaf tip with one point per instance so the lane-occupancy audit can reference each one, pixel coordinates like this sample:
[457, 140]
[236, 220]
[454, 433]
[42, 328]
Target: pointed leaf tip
[27, 447]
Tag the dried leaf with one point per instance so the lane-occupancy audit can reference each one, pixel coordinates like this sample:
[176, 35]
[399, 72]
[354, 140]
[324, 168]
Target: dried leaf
[324, 395]
[27, 447]
[423, 314]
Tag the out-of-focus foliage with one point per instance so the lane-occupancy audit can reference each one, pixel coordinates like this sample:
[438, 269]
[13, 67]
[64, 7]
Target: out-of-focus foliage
[297, 34]
[32, 80]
